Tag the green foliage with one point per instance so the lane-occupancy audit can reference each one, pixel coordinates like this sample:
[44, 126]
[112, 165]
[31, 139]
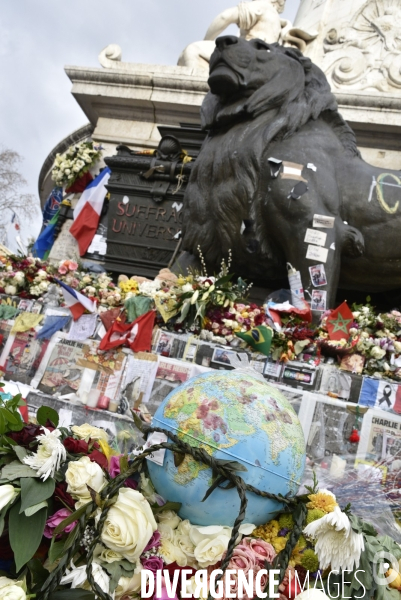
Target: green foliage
[72, 595]
[35, 491]
[25, 533]
[117, 569]
[15, 470]
[45, 413]
[10, 417]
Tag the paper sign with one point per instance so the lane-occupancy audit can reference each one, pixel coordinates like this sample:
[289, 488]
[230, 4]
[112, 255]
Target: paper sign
[156, 438]
[315, 237]
[317, 253]
[65, 417]
[311, 166]
[323, 221]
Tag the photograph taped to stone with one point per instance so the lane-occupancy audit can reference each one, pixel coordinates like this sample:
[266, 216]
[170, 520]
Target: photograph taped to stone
[221, 356]
[318, 275]
[318, 300]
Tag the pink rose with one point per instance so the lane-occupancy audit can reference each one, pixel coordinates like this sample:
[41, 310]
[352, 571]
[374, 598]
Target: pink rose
[153, 563]
[72, 265]
[242, 559]
[62, 270]
[114, 468]
[261, 550]
[154, 541]
[55, 520]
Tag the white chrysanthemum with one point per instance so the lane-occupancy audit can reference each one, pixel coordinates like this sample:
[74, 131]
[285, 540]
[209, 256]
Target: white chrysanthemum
[77, 577]
[336, 542]
[49, 456]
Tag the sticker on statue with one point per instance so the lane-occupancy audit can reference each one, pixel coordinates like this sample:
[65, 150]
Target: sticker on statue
[318, 275]
[318, 300]
[317, 253]
[315, 237]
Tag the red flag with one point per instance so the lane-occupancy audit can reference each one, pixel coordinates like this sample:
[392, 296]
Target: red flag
[339, 322]
[136, 335]
[140, 338]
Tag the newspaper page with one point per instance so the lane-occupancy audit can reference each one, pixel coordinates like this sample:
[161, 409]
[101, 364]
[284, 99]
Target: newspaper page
[169, 375]
[62, 374]
[24, 356]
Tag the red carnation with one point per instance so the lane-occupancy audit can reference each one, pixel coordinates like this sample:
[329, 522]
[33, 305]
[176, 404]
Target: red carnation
[27, 437]
[98, 458]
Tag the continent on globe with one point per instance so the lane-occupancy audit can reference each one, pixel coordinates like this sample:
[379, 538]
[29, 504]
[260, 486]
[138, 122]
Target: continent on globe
[235, 416]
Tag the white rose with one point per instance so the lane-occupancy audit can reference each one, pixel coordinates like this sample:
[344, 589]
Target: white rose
[106, 555]
[184, 527]
[19, 277]
[187, 287]
[356, 314]
[44, 285]
[397, 347]
[184, 544]
[169, 517]
[377, 352]
[166, 532]
[209, 551]
[11, 290]
[170, 553]
[7, 495]
[85, 431]
[11, 590]
[80, 474]
[129, 525]
[127, 586]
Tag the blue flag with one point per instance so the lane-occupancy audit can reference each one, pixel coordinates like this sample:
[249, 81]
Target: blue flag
[45, 241]
[51, 325]
[52, 204]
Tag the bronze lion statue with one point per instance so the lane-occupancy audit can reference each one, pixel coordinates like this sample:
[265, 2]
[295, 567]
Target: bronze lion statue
[279, 178]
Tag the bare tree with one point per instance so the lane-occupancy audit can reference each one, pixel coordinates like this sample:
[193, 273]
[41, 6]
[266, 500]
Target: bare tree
[11, 183]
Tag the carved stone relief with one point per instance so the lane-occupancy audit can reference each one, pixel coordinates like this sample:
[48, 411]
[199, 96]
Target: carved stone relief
[366, 55]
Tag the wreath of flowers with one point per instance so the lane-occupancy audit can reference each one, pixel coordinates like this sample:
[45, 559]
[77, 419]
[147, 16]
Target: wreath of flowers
[75, 162]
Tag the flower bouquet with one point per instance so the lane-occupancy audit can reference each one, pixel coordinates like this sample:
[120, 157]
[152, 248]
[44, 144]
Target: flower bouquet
[81, 521]
[74, 163]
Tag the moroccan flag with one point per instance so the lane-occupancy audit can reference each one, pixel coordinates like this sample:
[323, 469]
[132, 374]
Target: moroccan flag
[76, 302]
[339, 322]
[259, 338]
[136, 335]
[87, 211]
[45, 241]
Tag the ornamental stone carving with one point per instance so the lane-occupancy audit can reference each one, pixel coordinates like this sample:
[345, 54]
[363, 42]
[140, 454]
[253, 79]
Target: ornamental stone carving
[366, 55]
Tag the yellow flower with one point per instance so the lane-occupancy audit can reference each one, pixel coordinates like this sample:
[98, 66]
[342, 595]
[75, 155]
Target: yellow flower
[323, 500]
[106, 449]
[279, 543]
[267, 532]
[296, 555]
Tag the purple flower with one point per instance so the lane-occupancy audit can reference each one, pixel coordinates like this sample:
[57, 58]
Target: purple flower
[153, 563]
[283, 532]
[114, 468]
[55, 520]
[154, 541]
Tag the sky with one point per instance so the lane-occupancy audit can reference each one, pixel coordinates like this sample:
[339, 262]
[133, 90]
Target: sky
[39, 38]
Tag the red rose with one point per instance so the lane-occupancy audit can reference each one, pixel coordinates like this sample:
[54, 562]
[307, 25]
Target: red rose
[62, 497]
[98, 458]
[174, 567]
[76, 446]
[27, 437]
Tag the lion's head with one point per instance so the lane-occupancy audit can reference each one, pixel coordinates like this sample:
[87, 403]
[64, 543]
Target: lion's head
[248, 78]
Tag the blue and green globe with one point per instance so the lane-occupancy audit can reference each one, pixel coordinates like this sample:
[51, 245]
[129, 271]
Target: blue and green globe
[234, 416]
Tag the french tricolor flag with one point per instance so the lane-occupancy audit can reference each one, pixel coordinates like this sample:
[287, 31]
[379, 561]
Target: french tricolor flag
[88, 209]
[76, 302]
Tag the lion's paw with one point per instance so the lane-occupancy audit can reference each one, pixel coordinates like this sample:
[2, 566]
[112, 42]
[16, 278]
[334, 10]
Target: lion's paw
[353, 242]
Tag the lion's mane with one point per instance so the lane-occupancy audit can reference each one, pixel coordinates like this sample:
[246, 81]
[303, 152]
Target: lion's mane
[220, 196]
